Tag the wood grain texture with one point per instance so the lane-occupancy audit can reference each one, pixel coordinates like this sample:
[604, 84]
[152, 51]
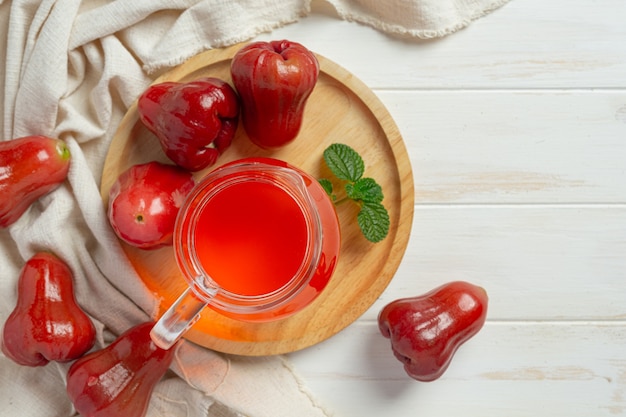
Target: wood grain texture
[527, 44]
[538, 262]
[509, 369]
[340, 109]
[547, 147]
[516, 130]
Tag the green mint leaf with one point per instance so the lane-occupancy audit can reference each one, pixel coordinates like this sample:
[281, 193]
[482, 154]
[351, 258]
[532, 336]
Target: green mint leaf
[366, 190]
[374, 221]
[344, 162]
[347, 165]
[326, 185]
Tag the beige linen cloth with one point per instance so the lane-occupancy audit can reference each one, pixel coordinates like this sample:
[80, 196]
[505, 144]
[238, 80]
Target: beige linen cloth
[70, 69]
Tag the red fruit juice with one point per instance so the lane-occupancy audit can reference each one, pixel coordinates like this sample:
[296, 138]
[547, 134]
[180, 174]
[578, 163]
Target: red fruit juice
[251, 238]
[259, 234]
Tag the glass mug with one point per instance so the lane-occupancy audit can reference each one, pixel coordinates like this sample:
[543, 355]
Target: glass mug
[256, 240]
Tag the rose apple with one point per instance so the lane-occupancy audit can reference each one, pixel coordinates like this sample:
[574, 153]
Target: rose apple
[118, 380]
[427, 330]
[47, 323]
[144, 202]
[274, 80]
[195, 122]
[30, 167]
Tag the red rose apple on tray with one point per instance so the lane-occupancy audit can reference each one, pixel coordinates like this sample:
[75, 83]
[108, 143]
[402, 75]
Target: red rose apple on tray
[274, 80]
[144, 202]
[195, 122]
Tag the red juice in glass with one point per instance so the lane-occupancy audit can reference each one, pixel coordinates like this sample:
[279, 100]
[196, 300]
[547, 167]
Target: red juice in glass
[251, 238]
[257, 239]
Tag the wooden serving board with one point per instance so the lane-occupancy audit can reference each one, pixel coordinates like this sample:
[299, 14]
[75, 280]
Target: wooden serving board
[340, 109]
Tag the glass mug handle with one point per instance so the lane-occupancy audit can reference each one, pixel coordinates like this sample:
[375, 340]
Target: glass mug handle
[180, 316]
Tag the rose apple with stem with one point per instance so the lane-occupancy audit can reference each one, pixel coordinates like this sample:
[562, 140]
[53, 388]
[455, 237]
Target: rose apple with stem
[30, 167]
[144, 202]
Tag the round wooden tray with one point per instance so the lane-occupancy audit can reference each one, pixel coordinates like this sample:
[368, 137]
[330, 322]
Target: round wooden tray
[340, 109]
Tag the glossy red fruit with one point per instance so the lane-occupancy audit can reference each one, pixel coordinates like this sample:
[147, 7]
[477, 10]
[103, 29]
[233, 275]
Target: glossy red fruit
[144, 202]
[195, 122]
[30, 167]
[118, 380]
[47, 324]
[427, 330]
[274, 80]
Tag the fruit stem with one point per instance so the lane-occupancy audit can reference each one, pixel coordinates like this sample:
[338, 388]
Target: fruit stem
[63, 150]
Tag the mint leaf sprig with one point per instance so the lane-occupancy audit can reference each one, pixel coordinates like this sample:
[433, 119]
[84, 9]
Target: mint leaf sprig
[348, 166]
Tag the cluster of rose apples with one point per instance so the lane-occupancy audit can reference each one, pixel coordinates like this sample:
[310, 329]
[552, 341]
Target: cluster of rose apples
[47, 323]
[194, 122]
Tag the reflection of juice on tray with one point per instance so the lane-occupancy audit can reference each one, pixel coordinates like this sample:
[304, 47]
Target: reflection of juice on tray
[263, 234]
[251, 238]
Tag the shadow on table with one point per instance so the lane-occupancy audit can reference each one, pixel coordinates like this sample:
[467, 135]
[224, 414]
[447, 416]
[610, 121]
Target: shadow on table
[385, 370]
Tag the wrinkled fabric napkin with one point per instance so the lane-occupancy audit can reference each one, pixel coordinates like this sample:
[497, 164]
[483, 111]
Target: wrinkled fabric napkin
[71, 69]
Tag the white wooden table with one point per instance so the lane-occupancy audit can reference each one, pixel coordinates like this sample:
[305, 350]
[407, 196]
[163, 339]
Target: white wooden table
[516, 129]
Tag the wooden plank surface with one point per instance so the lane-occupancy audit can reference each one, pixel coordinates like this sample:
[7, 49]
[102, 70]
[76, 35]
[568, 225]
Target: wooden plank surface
[527, 44]
[509, 369]
[516, 131]
[538, 262]
[538, 146]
